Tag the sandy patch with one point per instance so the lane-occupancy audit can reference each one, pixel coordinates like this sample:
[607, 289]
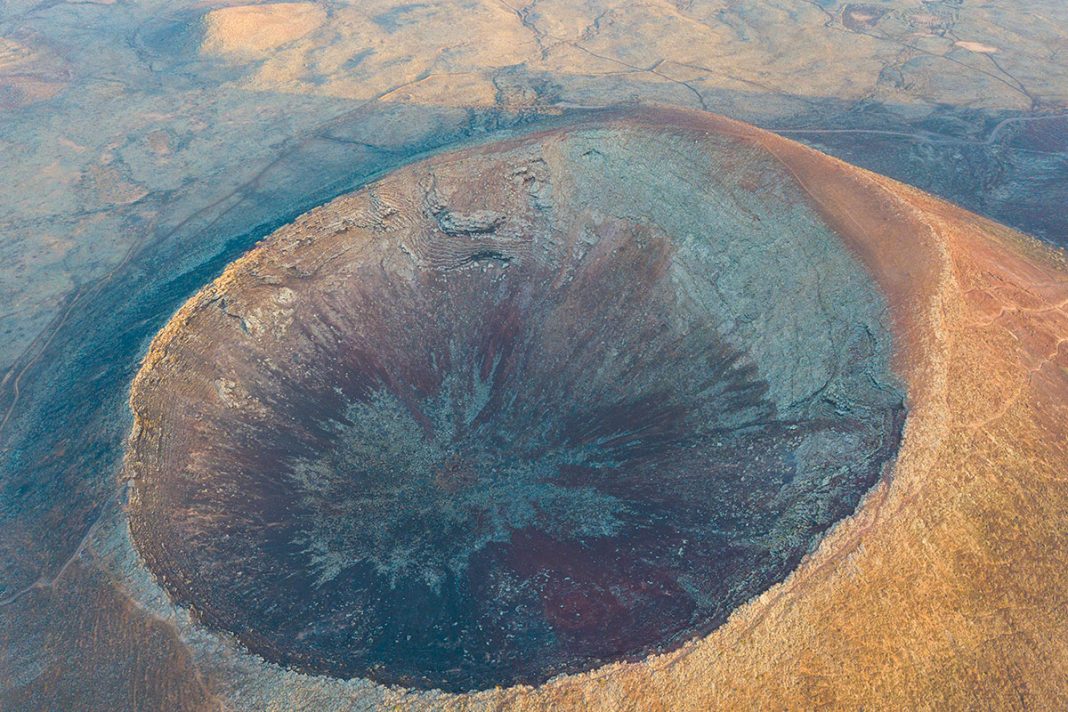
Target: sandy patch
[976, 47]
[255, 29]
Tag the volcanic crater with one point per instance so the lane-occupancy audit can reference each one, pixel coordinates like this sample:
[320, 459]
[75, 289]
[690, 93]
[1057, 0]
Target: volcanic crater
[515, 411]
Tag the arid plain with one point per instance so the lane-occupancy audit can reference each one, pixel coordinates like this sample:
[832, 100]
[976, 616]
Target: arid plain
[148, 146]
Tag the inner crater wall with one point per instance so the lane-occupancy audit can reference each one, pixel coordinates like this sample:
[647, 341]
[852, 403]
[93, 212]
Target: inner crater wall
[517, 411]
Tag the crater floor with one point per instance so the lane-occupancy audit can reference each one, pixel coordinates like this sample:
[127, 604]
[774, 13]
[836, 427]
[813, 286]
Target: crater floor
[515, 411]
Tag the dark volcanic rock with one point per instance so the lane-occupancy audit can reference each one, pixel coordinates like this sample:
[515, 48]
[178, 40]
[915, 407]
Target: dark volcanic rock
[515, 411]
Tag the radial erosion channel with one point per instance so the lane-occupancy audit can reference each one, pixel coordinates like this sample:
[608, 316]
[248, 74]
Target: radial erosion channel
[515, 411]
